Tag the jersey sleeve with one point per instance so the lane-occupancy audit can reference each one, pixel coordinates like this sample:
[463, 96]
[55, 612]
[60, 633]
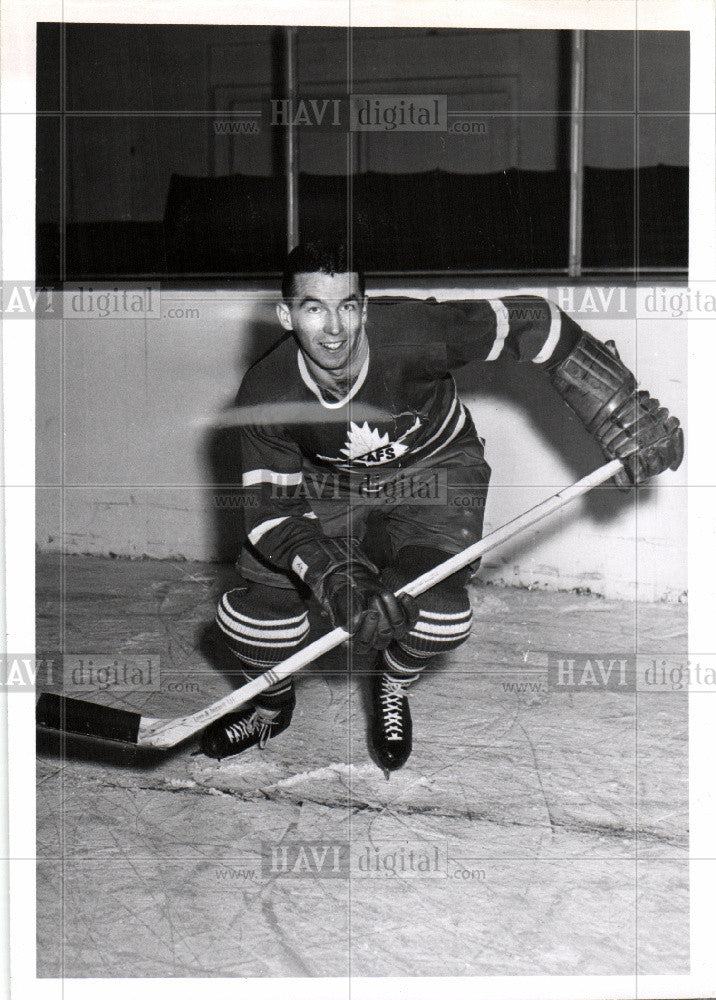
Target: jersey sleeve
[276, 513]
[518, 327]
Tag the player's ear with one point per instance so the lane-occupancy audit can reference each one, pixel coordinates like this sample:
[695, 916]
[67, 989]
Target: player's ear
[284, 315]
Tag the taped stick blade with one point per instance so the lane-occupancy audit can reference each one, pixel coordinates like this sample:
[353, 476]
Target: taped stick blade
[70, 715]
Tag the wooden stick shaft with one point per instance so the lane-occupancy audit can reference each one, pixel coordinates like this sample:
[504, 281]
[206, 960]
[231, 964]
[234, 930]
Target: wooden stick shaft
[512, 528]
[166, 734]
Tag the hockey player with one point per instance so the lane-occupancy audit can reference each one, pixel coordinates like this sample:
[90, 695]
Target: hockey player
[350, 427]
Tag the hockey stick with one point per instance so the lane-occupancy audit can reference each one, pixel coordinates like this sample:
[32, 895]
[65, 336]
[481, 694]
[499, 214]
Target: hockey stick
[101, 722]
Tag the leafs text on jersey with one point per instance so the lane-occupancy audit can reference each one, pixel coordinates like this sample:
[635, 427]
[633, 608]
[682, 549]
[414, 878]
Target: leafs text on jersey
[365, 445]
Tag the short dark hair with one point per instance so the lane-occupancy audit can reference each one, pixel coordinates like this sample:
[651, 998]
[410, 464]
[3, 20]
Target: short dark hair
[307, 258]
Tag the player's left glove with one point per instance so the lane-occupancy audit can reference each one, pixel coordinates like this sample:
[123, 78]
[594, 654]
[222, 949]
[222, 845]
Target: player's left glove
[348, 586]
[629, 424]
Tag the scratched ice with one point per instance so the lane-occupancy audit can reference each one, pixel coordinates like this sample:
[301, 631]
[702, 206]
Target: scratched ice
[556, 824]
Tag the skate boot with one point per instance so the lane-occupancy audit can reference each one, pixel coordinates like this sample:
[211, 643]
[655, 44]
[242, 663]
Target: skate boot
[392, 725]
[251, 726]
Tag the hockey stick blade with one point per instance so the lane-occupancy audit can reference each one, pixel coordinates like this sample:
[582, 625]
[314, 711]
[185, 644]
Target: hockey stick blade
[88, 719]
[85, 718]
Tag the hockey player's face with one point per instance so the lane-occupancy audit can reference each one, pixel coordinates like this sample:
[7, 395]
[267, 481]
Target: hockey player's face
[326, 314]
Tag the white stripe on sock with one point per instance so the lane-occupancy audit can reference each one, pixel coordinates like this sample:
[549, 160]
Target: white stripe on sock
[268, 635]
[439, 616]
[261, 622]
[429, 629]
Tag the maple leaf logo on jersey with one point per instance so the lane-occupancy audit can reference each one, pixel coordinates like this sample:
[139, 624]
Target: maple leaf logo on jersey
[367, 446]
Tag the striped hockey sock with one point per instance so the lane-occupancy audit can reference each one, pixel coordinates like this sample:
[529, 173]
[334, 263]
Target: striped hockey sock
[262, 629]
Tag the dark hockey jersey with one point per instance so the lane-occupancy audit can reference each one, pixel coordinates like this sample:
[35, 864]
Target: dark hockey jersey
[402, 412]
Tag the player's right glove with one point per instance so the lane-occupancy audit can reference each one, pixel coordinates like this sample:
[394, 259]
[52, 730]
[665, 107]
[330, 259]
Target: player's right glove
[629, 424]
[348, 586]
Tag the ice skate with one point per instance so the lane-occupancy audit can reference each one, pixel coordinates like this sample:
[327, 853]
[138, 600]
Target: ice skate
[253, 726]
[392, 725]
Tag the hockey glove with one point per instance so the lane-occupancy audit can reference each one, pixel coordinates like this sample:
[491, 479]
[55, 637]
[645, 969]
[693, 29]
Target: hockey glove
[348, 587]
[628, 424]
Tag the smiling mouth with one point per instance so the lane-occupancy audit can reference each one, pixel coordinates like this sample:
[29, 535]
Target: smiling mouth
[333, 346]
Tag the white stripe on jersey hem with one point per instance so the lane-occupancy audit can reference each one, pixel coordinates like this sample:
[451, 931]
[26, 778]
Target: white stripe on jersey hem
[503, 328]
[555, 329]
[269, 476]
[260, 530]
[311, 383]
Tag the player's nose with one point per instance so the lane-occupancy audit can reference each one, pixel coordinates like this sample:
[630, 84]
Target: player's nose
[333, 323]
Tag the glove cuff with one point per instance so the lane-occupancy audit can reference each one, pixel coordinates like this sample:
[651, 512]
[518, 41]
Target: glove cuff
[593, 382]
[315, 561]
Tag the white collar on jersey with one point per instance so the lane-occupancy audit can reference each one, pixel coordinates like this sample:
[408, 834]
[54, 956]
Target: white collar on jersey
[315, 388]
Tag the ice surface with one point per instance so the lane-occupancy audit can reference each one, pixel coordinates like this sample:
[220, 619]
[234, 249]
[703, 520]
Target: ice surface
[560, 819]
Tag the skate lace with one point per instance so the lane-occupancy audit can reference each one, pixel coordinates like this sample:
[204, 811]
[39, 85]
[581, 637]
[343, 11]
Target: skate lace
[391, 697]
[249, 726]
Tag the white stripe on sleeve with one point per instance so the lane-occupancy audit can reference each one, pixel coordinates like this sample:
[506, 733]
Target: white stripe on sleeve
[503, 328]
[269, 476]
[260, 530]
[555, 329]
